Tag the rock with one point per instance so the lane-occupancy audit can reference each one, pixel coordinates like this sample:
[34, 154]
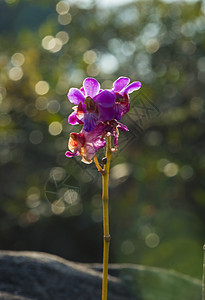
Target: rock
[42, 276]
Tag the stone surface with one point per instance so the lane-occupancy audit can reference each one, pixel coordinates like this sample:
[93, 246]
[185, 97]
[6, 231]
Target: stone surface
[41, 276]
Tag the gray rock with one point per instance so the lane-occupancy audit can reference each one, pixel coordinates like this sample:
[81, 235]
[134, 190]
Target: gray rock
[41, 276]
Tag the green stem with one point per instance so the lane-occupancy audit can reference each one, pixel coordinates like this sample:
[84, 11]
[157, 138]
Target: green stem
[105, 199]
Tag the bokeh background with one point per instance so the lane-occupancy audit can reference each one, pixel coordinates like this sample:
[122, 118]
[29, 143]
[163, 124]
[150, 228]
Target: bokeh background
[51, 203]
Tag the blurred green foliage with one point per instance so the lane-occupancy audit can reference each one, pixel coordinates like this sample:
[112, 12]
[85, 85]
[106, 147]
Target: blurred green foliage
[158, 284]
[157, 187]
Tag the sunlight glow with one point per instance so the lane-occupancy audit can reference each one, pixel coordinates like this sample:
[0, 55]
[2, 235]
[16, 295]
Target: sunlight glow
[42, 87]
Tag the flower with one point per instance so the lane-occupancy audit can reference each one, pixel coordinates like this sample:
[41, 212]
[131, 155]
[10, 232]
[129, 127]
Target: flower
[92, 104]
[86, 143]
[122, 89]
[99, 112]
[112, 128]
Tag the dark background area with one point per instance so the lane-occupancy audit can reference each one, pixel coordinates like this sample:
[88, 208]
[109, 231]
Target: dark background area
[157, 188]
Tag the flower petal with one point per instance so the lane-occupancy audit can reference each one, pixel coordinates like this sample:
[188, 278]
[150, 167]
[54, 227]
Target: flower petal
[94, 142]
[105, 99]
[118, 111]
[120, 83]
[71, 154]
[96, 133]
[90, 120]
[82, 90]
[121, 110]
[125, 109]
[91, 87]
[75, 96]
[98, 144]
[86, 160]
[122, 127]
[72, 119]
[92, 147]
[136, 85]
[106, 113]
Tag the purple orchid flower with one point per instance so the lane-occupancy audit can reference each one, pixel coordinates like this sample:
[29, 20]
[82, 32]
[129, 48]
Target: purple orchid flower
[122, 89]
[92, 104]
[99, 112]
[86, 143]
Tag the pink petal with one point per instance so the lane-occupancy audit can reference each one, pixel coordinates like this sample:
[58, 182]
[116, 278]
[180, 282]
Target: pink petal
[82, 90]
[95, 133]
[136, 85]
[120, 83]
[91, 87]
[94, 142]
[98, 144]
[122, 127]
[71, 154]
[72, 119]
[75, 96]
[93, 147]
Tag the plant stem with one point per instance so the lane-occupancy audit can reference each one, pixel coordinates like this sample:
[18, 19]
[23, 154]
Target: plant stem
[203, 277]
[98, 165]
[105, 198]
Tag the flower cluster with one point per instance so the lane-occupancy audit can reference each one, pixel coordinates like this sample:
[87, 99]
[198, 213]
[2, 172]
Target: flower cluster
[99, 112]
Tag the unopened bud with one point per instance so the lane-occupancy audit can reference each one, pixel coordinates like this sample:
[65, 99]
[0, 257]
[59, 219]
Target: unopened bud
[104, 160]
